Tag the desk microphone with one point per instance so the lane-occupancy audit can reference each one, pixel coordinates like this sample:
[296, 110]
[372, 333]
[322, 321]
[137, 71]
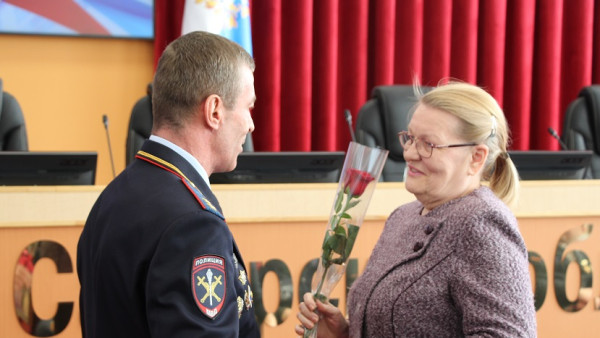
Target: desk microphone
[349, 120]
[554, 134]
[112, 162]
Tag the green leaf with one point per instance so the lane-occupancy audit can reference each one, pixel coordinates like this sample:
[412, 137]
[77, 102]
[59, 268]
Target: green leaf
[337, 242]
[352, 204]
[328, 244]
[338, 261]
[332, 243]
[345, 215]
[352, 233]
[326, 256]
[340, 244]
[340, 230]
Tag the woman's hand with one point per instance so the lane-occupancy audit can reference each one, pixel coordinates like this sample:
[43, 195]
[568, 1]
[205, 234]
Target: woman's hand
[331, 321]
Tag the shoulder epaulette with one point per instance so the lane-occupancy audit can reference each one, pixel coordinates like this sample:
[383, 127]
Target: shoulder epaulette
[198, 195]
[204, 202]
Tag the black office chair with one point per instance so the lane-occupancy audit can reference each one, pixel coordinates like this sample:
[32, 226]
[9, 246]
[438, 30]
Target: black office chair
[581, 127]
[140, 127]
[13, 134]
[379, 121]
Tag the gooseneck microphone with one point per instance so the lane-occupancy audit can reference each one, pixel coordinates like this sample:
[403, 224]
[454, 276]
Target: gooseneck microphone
[349, 120]
[554, 134]
[112, 162]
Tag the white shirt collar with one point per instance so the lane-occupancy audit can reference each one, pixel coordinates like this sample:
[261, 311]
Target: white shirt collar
[191, 159]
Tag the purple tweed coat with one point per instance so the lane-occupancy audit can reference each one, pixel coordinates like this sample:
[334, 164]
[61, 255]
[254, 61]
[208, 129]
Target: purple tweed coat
[461, 270]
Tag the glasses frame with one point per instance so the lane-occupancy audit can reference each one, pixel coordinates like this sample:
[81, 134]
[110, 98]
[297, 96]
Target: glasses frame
[415, 140]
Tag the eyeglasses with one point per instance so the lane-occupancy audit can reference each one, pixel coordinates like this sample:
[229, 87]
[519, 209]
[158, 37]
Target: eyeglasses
[425, 149]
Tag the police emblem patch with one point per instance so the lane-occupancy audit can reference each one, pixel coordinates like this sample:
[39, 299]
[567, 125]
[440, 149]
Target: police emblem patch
[208, 284]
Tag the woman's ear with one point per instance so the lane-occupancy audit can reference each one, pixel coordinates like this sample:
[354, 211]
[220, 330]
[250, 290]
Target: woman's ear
[212, 111]
[478, 157]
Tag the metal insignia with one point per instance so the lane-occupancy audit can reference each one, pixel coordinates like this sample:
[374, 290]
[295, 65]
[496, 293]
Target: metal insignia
[235, 261]
[240, 303]
[242, 277]
[208, 284]
[248, 297]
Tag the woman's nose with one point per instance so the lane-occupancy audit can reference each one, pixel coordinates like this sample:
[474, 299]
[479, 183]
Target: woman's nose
[410, 151]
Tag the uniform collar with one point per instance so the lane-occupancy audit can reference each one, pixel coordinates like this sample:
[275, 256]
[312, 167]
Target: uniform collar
[187, 156]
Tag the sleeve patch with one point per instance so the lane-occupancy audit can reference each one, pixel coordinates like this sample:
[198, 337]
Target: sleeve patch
[208, 284]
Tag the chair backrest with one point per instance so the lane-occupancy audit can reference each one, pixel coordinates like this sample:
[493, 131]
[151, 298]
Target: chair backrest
[140, 127]
[581, 127]
[379, 121]
[13, 133]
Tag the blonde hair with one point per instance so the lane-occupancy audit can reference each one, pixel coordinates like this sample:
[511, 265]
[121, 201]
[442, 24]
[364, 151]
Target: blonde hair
[483, 122]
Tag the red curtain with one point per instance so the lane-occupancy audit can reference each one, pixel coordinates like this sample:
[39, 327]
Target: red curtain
[316, 58]
[168, 15]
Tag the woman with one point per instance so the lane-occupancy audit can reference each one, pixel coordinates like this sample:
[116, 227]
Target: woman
[453, 263]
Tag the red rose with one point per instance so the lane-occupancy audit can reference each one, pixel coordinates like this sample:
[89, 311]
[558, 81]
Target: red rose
[356, 181]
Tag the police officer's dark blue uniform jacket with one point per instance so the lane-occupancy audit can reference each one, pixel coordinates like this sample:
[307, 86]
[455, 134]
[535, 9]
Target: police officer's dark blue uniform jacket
[156, 258]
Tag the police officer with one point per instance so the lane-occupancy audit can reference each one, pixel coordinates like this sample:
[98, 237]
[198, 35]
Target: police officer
[156, 257]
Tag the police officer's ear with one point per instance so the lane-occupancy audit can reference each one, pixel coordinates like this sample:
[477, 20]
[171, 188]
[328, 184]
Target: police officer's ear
[213, 110]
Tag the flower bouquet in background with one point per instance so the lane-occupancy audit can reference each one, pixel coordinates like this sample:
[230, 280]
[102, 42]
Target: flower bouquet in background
[361, 171]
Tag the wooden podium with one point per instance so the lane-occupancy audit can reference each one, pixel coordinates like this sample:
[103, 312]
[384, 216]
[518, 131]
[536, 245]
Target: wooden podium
[279, 229]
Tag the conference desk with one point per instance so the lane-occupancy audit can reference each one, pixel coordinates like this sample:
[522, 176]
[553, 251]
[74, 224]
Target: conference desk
[279, 230]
